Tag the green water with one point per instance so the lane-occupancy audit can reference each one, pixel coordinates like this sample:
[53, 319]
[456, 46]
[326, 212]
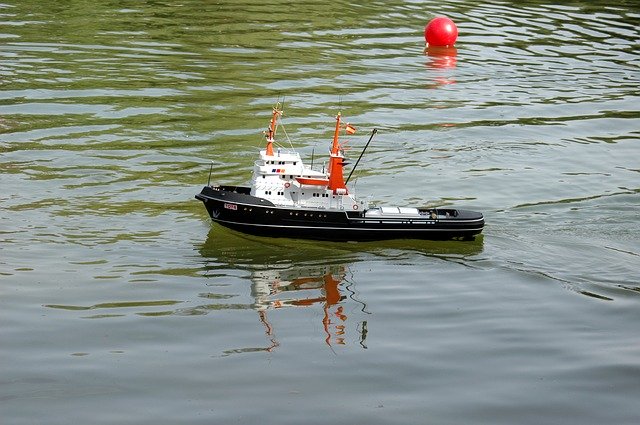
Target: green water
[121, 303]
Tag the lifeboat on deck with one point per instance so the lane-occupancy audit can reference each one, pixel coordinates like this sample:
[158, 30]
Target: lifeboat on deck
[310, 181]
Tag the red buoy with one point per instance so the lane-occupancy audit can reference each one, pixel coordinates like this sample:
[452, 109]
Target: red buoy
[441, 31]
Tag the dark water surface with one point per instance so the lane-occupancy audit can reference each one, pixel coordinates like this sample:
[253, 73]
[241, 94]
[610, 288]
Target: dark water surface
[121, 303]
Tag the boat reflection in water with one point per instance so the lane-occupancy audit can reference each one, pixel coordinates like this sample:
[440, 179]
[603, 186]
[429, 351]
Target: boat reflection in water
[323, 286]
[287, 274]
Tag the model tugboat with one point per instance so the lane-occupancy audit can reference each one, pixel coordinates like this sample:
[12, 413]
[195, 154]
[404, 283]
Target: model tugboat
[287, 198]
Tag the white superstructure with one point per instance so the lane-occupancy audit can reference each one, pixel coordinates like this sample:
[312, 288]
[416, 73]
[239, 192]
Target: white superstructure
[281, 177]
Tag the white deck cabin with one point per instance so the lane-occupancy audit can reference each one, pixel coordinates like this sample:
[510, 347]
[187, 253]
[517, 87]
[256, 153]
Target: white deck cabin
[274, 179]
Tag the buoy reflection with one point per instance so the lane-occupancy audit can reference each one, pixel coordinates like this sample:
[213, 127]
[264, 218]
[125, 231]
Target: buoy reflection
[441, 57]
[439, 61]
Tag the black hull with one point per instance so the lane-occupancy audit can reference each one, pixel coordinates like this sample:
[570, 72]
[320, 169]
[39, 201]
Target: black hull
[235, 208]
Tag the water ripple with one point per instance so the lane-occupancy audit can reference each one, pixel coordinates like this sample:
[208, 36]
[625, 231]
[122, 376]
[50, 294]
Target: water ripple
[112, 116]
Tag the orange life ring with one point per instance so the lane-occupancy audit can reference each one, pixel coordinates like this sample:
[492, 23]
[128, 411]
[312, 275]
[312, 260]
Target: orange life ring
[287, 185]
[355, 207]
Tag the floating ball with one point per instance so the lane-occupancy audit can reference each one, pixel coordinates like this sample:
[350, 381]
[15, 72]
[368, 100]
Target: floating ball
[441, 31]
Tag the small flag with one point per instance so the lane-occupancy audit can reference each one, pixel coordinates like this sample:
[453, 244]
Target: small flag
[350, 129]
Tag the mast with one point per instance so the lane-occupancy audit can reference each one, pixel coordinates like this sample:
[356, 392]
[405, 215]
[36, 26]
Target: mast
[336, 134]
[336, 162]
[272, 130]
